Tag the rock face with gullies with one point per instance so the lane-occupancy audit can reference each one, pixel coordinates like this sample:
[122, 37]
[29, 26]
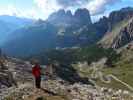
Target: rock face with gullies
[83, 16]
[5, 79]
[12, 71]
[118, 16]
[119, 30]
[124, 37]
[106, 24]
[102, 25]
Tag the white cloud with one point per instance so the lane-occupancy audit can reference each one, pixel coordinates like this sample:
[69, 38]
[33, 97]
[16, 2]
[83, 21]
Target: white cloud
[12, 10]
[99, 6]
[43, 8]
[9, 10]
[47, 6]
[95, 7]
[68, 3]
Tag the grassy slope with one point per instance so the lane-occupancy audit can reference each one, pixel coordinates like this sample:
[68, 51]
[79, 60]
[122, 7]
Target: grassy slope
[124, 67]
[124, 73]
[123, 70]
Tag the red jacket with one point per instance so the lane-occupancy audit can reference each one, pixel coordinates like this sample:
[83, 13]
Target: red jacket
[36, 71]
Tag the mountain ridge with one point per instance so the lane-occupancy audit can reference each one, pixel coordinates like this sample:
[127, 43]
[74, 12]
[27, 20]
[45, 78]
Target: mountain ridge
[117, 23]
[75, 32]
[119, 36]
[80, 72]
[70, 30]
[8, 24]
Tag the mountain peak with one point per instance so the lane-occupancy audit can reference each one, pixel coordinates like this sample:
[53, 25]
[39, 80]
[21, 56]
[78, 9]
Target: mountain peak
[125, 35]
[62, 17]
[127, 9]
[69, 13]
[120, 15]
[59, 16]
[83, 14]
[61, 12]
[82, 11]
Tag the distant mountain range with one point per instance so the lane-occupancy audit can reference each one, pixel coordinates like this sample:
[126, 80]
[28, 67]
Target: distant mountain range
[9, 24]
[63, 29]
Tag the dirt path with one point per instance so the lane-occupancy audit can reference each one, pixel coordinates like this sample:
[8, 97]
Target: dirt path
[96, 73]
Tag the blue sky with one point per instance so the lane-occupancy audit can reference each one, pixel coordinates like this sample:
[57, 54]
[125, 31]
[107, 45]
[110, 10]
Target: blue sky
[43, 8]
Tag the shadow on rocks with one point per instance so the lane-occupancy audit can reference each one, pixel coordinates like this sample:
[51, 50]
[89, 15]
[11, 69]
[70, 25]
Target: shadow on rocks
[69, 74]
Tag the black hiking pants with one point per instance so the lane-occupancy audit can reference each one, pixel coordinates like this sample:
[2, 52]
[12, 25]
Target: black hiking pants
[38, 82]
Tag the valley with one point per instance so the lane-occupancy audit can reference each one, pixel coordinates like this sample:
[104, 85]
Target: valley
[91, 61]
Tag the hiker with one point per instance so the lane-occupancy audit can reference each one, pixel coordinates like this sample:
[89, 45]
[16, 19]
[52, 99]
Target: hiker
[36, 71]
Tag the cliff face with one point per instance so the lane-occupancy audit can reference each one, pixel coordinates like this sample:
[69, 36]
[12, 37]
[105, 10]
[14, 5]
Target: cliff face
[125, 36]
[66, 18]
[119, 28]
[102, 25]
[118, 16]
[106, 24]
[12, 71]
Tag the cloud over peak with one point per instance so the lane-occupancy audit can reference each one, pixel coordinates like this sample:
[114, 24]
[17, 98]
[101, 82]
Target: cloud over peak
[71, 3]
[95, 7]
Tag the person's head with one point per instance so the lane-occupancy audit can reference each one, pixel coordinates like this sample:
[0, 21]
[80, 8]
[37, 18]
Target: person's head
[34, 61]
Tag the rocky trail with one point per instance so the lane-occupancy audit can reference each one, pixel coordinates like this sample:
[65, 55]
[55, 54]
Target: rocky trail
[58, 90]
[28, 92]
[52, 89]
